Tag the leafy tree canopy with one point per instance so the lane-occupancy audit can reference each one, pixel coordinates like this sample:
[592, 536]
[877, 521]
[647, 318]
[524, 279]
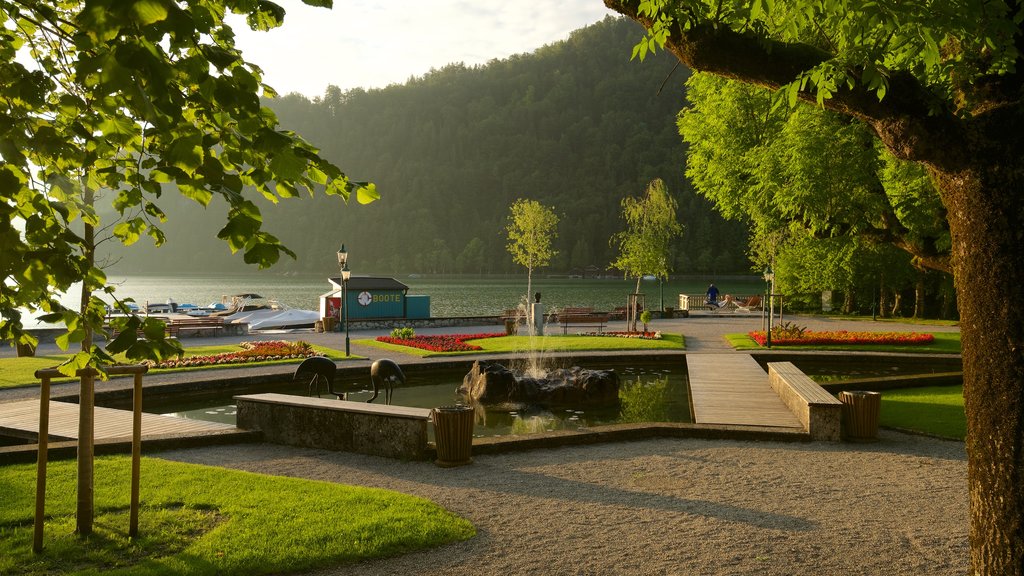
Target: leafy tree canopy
[109, 101]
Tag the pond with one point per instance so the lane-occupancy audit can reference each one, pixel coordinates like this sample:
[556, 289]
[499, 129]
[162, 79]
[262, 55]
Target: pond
[648, 393]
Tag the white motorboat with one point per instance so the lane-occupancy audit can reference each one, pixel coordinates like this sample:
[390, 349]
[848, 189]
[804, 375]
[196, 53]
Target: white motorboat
[266, 316]
[285, 320]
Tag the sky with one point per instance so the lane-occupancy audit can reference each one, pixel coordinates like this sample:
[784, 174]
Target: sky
[375, 43]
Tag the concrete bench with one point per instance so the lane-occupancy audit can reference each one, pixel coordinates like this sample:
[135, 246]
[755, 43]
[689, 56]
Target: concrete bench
[375, 429]
[818, 411]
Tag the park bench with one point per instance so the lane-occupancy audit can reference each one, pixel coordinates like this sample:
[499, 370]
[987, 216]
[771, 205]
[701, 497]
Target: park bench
[196, 327]
[580, 318]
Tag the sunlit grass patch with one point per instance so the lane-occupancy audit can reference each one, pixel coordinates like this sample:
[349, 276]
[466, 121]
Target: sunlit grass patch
[937, 410]
[205, 520]
[553, 343]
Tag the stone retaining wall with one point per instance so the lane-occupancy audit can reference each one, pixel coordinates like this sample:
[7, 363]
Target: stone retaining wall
[819, 412]
[378, 430]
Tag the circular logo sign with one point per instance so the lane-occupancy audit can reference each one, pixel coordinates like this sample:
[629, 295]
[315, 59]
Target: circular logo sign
[364, 299]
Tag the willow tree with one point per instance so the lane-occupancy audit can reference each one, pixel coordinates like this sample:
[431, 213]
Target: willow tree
[532, 227]
[106, 106]
[940, 84]
[645, 243]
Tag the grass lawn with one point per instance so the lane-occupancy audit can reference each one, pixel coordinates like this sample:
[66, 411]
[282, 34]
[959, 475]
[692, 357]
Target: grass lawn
[21, 371]
[205, 520]
[945, 343]
[557, 343]
[937, 410]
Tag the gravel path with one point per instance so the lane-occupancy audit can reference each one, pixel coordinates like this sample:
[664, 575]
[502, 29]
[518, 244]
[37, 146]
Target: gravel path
[671, 506]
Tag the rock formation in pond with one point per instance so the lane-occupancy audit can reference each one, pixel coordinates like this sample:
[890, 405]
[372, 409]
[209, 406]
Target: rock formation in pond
[492, 383]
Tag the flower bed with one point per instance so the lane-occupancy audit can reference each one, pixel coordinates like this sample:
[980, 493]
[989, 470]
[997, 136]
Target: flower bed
[634, 335]
[441, 342]
[809, 338]
[255, 351]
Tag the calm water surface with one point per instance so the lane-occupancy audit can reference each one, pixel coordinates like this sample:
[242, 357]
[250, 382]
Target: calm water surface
[650, 393]
[448, 296]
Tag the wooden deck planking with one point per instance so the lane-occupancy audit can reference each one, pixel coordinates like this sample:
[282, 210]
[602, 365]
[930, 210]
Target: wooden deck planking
[734, 389]
[22, 418]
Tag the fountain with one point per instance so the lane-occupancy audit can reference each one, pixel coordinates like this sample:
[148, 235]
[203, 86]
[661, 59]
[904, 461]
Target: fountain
[491, 383]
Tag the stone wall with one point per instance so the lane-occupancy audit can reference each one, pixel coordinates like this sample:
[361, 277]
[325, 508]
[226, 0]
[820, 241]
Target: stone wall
[378, 430]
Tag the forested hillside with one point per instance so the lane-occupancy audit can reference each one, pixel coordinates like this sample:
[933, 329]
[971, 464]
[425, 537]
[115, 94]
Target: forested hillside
[575, 125]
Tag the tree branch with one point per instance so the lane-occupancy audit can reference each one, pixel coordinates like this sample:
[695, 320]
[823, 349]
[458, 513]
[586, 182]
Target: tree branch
[904, 120]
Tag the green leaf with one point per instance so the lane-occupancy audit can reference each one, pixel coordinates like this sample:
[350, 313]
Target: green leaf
[286, 165]
[149, 11]
[367, 192]
[267, 15]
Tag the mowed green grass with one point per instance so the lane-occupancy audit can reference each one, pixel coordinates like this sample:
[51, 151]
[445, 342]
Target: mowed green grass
[205, 520]
[555, 343]
[21, 371]
[937, 410]
[944, 343]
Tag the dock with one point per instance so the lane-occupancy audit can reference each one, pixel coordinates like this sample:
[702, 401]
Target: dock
[21, 420]
[733, 389]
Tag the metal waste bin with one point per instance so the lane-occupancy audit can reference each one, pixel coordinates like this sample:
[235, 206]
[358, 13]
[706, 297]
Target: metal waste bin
[453, 433]
[860, 414]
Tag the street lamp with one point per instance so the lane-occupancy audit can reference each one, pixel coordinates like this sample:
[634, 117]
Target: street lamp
[345, 275]
[769, 276]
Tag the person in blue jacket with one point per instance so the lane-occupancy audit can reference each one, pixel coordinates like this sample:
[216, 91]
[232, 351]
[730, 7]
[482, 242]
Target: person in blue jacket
[712, 295]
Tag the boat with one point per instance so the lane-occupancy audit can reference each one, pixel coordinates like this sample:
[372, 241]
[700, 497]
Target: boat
[266, 315]
[286, 320]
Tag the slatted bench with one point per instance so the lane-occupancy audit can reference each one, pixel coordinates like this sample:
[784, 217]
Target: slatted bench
[818, 411]
[581, 317]
[197, 327]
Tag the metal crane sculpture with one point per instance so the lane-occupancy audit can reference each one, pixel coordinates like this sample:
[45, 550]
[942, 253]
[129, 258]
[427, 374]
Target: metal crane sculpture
[322, 370]
[385, 373]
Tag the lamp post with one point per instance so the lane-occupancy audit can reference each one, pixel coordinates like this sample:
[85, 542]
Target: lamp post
[769, 277]
[345, 275]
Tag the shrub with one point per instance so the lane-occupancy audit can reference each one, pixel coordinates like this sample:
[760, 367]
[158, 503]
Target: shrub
[403, 333]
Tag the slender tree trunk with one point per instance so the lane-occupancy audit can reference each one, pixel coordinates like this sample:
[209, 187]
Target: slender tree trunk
[86, 401]
[897, 302]
[883, 296]
[919, 296]
[986, 220]
[848, 300]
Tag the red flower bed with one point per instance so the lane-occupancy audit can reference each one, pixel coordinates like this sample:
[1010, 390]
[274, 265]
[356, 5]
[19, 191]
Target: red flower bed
[844, 337]
[256, 351]
[623, 334]
[441, 342]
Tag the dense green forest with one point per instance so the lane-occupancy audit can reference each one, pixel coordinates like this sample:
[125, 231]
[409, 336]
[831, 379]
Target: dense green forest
[575, 125]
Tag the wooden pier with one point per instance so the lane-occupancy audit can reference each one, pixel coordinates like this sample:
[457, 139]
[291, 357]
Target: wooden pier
[734, 389]
[21, 420]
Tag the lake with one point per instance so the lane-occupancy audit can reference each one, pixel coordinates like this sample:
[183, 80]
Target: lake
[449, 296]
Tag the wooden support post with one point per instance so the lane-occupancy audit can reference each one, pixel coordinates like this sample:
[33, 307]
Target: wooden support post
[86, 450]
[86, 453]
[44, 431]
[133, 522]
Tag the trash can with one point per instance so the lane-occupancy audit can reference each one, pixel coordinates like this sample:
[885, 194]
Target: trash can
[453, 433]
[25, 350]
[860, 415]
[511, 327]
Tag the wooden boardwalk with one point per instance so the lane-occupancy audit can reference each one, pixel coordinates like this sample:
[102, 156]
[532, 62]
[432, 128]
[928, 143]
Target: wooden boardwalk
[734, 389]
[21, 420]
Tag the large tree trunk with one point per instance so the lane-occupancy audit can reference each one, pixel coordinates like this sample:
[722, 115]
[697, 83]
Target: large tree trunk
[986, 217]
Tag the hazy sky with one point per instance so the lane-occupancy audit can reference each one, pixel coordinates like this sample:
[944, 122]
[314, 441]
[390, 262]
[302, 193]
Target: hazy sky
[374, 43]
